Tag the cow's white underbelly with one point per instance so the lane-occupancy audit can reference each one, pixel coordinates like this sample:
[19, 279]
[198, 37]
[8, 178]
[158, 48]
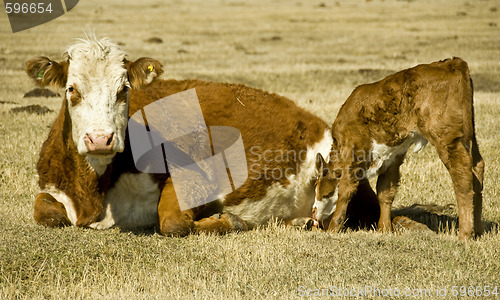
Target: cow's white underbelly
[131, 203]
[285, 202]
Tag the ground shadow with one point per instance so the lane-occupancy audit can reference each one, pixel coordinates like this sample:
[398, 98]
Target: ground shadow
[439, 218]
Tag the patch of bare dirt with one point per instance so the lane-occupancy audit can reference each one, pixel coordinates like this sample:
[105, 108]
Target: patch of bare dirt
[154, 40]
[32, 109]
[40, 93]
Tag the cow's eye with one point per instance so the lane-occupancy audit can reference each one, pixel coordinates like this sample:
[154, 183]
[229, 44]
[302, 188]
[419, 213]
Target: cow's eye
[71, 89]
[124, 90]
[122, 94]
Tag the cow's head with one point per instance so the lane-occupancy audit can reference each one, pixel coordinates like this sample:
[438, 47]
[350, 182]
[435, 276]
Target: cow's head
[326, 185]
[96, 77]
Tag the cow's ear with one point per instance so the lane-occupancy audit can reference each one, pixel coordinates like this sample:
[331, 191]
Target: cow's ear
[47, 72]
[143, 71]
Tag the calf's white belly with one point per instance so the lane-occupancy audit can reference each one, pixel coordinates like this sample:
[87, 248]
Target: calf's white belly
[383, 156]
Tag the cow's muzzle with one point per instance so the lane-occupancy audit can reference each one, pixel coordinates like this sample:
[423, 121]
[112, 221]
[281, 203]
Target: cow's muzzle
[100, 142]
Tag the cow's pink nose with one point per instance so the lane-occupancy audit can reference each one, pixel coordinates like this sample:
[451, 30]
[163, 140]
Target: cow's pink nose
[99, 142]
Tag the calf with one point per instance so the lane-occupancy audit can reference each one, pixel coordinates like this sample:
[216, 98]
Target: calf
[87, 172]
[380, 121]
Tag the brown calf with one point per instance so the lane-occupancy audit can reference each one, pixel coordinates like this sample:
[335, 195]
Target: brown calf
[380, 121]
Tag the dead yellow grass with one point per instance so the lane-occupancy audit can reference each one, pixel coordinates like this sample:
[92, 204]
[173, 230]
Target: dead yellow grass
[312, 53]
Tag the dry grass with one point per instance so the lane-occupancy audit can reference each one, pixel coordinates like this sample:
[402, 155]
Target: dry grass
[315, 54]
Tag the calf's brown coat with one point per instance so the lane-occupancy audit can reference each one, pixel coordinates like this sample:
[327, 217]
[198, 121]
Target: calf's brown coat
[432, 101]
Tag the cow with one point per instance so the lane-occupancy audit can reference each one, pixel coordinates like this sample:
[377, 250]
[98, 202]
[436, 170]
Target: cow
[88, 178]
[379, 122]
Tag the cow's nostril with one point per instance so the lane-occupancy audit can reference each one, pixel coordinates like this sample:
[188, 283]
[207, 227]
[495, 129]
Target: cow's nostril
[110, 140]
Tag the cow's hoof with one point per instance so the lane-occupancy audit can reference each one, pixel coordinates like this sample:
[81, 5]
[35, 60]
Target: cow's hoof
[304, 223]
[237, 223]
[101, 225]
[176, 228]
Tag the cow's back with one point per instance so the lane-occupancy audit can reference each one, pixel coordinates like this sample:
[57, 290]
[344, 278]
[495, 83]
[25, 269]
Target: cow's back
[276, 133]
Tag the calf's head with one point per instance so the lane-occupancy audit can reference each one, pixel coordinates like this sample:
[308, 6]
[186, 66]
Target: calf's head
[97, 78]
[326, 185]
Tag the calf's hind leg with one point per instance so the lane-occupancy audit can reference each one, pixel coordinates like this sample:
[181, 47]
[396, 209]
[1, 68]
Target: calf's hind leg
[459, 163]
[478, 175]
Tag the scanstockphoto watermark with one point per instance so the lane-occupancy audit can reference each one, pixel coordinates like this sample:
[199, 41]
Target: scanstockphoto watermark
[170, 136]
[272, 164]
[389, 292]
[365, 291]
[25, 14]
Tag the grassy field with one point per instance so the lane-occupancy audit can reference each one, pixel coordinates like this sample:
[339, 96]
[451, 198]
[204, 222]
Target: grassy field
[314, 52]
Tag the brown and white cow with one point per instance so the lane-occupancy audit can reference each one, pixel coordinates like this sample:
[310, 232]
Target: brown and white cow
[380, 121]
[87, 175]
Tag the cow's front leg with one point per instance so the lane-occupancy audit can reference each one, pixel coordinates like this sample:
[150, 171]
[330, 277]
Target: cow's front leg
[173, 221]
[346, 190]
[49, 212]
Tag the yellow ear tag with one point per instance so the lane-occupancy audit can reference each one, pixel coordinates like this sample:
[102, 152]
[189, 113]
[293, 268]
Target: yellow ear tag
[150, 68]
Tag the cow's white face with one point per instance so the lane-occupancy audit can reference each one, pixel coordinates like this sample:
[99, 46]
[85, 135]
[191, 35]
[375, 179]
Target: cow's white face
[97, 78]
[97, 92]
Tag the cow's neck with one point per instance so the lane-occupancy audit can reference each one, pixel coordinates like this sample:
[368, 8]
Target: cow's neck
[98, 165]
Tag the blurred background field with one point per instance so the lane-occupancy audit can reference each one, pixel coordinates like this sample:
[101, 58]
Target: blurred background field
[314, 52]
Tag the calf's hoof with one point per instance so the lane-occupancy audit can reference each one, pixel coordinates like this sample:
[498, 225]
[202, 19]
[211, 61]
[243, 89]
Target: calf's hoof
[335, 225]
